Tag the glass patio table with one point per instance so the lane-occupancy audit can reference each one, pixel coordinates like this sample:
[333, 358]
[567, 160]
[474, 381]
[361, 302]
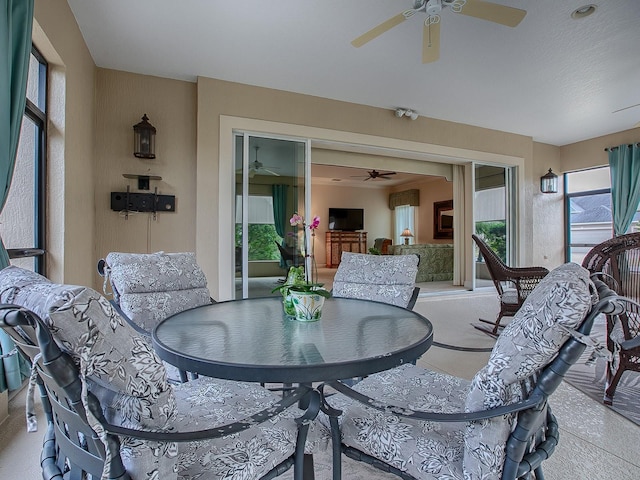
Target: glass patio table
[252, 340]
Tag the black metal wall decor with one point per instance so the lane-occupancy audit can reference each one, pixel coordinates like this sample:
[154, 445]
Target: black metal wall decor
[144, 139]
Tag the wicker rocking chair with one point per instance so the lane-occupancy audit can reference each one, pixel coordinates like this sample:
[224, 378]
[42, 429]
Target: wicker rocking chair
[618, 262]
[513, 284]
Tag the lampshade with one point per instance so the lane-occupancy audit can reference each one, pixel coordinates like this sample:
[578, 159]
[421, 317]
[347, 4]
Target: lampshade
[549, 182]
[406, 234]
[144, 139]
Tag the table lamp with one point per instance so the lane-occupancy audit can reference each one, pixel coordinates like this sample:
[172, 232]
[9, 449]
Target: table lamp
[406, 234]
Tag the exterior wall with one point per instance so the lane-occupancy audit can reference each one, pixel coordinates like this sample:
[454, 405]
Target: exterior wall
[547, 224]
[590, 153]
[121, 100]
[71, 175]
[298, 114]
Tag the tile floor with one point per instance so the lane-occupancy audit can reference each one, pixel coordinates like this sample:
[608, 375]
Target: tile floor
[596, 443]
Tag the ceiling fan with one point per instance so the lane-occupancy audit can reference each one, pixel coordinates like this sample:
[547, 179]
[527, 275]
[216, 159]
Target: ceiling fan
[257, 167]
[492, 12]
[373, 174]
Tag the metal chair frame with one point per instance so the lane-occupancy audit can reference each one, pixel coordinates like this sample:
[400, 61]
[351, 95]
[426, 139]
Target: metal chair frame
[535, 435]
[72, 449]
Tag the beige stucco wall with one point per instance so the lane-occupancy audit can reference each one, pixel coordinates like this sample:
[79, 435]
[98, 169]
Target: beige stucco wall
[590, 153]
[224, 105]
[121, 100]
[71, 208]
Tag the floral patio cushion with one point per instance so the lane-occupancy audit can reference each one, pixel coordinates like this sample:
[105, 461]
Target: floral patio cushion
[450, 451]
[122, 369]
[150, 287]
[382, 278]
[529, 342]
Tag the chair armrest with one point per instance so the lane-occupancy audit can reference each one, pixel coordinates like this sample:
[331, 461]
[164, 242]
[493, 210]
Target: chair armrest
[532, 401]
[217, 432]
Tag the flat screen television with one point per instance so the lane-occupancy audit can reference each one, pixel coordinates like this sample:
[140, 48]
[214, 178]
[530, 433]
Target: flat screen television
[349, 219]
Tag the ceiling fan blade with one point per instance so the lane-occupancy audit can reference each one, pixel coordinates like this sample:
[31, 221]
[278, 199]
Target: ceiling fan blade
[271, 172]
[380, 29]
[493, 12]
[431, 39]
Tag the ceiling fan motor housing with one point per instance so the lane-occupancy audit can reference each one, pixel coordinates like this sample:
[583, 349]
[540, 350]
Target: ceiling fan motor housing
[434, 7]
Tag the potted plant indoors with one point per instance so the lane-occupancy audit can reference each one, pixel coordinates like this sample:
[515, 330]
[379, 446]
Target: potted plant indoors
[303, 297]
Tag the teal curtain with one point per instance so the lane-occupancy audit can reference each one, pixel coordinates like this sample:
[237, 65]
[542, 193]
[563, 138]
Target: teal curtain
[624, 163]
[279, 194]
[16, 20]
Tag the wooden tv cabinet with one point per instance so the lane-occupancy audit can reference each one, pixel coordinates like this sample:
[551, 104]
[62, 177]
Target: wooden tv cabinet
[338, 241]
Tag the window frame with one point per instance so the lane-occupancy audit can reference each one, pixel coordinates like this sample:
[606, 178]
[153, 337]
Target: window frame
[39, 118]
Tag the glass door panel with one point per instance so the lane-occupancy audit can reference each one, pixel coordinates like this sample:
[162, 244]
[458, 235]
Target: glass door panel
[270, 188]
[492, 216]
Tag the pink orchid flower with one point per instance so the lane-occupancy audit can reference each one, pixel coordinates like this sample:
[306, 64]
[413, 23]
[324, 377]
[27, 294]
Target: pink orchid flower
[315, 223]
[296, 220]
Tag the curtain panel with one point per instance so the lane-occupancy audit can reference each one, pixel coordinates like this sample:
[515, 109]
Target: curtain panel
[16, 20]
[624, 163]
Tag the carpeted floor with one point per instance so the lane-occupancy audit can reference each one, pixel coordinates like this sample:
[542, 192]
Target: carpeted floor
[590, 379]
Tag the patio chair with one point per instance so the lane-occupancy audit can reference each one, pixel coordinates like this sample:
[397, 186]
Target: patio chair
[617, 263]
[149, 287]
[420, 424]
[513, 284]
[113, 414]
[383, 278]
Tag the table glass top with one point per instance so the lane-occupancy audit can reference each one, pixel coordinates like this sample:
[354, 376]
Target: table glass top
[255, 333]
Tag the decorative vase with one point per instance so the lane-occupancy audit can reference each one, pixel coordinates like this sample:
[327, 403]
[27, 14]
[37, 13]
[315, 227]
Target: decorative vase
[307, 306]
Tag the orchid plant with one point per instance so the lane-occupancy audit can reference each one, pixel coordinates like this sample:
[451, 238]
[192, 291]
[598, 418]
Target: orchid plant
[309, 284]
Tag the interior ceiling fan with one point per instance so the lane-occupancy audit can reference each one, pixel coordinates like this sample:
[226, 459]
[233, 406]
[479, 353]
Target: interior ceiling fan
[374, 174]
[492, 12]
[257, 167]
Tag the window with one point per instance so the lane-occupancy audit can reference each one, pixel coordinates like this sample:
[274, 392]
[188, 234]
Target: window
[491, 223]
[23, 216]
[404, 218]
[588, 211]
[261, 228]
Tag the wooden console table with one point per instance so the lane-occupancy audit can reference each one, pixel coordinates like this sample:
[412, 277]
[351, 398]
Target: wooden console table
[338, 241]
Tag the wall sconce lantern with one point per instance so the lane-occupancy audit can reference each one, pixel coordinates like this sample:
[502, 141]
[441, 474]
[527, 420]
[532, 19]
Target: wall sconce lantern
[549, 182]
[144, 139]
[406, 234]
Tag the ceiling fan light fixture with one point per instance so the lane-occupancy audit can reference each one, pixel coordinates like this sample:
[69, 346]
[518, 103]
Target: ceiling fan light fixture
[412, 115]
[400, 112]
[583, 11]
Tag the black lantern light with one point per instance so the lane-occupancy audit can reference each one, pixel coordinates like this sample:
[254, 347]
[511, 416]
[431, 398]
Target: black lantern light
[549, 182]
[144, 139]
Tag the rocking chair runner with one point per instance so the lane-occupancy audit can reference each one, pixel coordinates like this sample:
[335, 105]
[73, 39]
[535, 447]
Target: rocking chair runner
[520, 282]
[617, 260]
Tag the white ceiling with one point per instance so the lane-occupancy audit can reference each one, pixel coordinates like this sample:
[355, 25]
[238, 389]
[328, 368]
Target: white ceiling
[553, 78]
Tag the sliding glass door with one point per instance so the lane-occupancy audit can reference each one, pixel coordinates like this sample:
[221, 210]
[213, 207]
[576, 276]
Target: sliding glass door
[271, 185]
[493, 215]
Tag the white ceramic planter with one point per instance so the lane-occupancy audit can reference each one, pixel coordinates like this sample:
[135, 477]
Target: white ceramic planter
[307, 305]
